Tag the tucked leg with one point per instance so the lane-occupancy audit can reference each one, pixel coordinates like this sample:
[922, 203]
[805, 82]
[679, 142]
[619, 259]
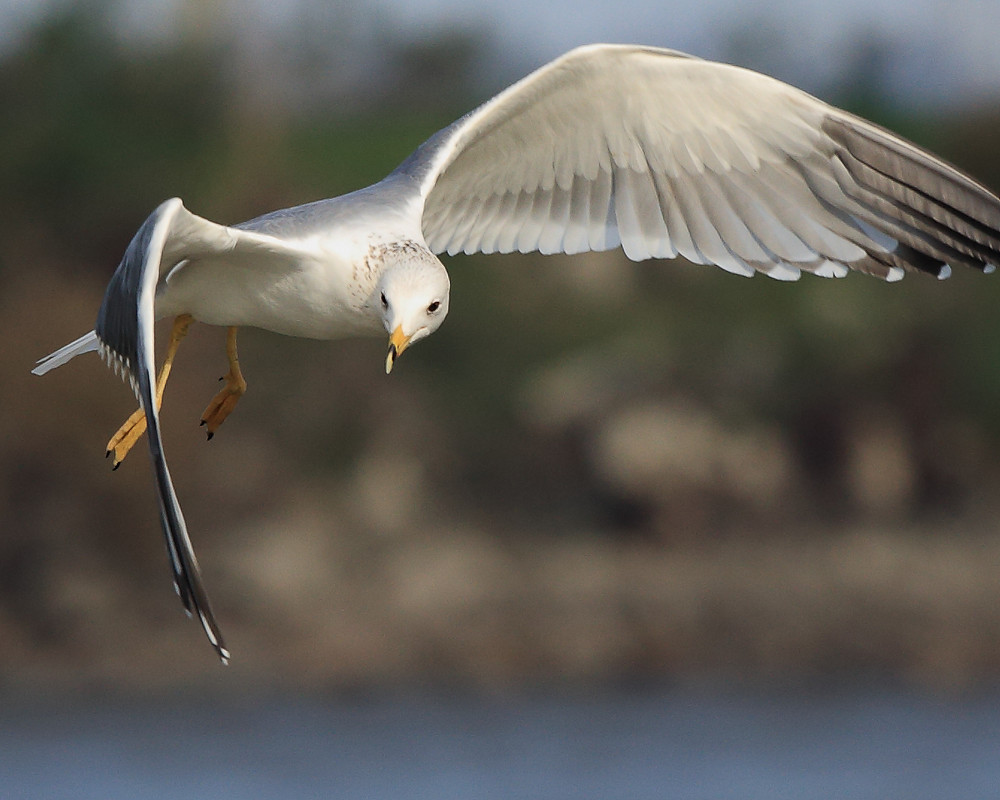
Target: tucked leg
[130, 431]
[225, 401]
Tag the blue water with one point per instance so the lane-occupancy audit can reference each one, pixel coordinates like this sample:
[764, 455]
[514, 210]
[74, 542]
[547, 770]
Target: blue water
[704, 745]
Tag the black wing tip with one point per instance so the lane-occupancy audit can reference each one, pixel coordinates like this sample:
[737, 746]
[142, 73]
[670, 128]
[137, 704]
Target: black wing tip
[195, 601]
[222, 652]
[940, 216]
[211, 627]
[187, 576]
[214, 635]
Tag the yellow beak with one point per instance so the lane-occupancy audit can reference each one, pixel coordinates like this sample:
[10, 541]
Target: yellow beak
[397, 344]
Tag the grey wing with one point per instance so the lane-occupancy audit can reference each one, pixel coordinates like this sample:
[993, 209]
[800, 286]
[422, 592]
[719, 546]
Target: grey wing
[670, 155]
[125, 331]
[171, 235]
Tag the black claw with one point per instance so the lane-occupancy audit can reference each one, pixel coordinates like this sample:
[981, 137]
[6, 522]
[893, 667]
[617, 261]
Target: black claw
[203, 422]
[107, 453]
[210, 435]
[118, 464]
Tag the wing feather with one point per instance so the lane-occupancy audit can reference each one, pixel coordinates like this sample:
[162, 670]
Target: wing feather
[125, 331]
[170, 236]
[552, 237]
[496, 225]
[603, 228]
[481, 224]
[777, 237]
[635, 199]
[534, 220]
[732, 228]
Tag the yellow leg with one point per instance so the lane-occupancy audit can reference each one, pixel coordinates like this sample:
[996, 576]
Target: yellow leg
[225, 401]
[130, 431]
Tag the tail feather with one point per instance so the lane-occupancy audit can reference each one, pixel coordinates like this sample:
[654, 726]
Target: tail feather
[85, 344]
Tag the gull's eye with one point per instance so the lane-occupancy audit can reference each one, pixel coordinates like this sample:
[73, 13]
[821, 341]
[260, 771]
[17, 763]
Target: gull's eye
[385, 303]
[433, 307]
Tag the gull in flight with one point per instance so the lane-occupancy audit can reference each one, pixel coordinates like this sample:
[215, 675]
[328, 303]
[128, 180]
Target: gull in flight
[652, 150]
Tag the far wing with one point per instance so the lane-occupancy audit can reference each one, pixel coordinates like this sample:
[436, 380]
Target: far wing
[168, 237]
[670, 155]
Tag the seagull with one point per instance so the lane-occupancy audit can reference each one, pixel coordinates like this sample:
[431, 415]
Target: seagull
[653, 150]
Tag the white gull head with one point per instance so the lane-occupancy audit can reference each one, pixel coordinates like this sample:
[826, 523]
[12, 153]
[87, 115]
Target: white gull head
[412, 296]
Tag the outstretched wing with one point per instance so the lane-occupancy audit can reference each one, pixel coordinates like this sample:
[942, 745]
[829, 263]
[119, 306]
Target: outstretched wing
[170, 236]
[670, 155]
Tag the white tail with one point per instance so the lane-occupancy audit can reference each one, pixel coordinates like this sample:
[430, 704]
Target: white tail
[85, 344]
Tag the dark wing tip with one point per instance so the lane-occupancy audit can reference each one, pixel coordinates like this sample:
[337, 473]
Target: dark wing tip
[940, 216]
[187, 576]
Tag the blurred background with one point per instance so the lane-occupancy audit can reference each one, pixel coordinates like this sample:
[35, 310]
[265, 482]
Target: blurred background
[616, 527]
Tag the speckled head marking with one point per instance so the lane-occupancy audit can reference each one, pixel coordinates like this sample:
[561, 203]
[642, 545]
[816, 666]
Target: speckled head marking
[381, 253]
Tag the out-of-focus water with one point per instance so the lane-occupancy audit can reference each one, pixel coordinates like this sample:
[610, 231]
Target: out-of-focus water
[629, 745]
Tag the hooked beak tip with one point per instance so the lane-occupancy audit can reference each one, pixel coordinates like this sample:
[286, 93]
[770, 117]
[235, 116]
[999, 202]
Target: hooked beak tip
[390, 359]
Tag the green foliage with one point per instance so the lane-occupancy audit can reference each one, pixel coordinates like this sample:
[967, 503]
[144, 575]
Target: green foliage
[332, 155]
[91, 131]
